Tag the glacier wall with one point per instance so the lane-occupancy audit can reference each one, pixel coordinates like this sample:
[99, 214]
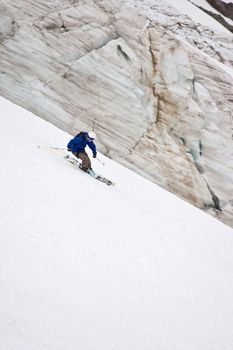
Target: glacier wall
[158, 105]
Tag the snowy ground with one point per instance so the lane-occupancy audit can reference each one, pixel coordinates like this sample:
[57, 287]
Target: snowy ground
[91, 267]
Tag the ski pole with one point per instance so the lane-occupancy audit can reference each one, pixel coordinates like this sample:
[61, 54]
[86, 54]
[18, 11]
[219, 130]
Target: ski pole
[62, 149]
[65, 149]
[100, 161]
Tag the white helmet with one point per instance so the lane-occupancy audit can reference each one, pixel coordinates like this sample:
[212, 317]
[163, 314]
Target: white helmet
[91, 135]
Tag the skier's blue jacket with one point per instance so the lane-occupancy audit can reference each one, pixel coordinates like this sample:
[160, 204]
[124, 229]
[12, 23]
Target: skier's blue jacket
[79, 142]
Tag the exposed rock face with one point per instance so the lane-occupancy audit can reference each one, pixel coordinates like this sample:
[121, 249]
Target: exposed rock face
[225, 8]
[158, 105]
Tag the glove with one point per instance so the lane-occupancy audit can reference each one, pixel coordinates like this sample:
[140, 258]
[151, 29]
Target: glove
[94, 155]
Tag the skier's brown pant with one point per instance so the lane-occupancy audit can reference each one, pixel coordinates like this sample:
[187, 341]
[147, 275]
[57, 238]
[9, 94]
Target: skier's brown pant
[86, 163]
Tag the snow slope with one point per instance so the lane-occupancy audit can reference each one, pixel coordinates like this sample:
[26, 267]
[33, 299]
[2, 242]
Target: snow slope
[205, 5]
[184, 7]
[197, 15]
[91, 267]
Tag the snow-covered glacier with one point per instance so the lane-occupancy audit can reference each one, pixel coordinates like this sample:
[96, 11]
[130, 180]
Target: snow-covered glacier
[155, 85]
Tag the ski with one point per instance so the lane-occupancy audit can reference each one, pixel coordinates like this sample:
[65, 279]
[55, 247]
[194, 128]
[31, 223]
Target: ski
[91, 172]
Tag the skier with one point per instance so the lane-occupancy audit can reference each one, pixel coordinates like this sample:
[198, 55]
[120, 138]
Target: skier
[77, 147]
